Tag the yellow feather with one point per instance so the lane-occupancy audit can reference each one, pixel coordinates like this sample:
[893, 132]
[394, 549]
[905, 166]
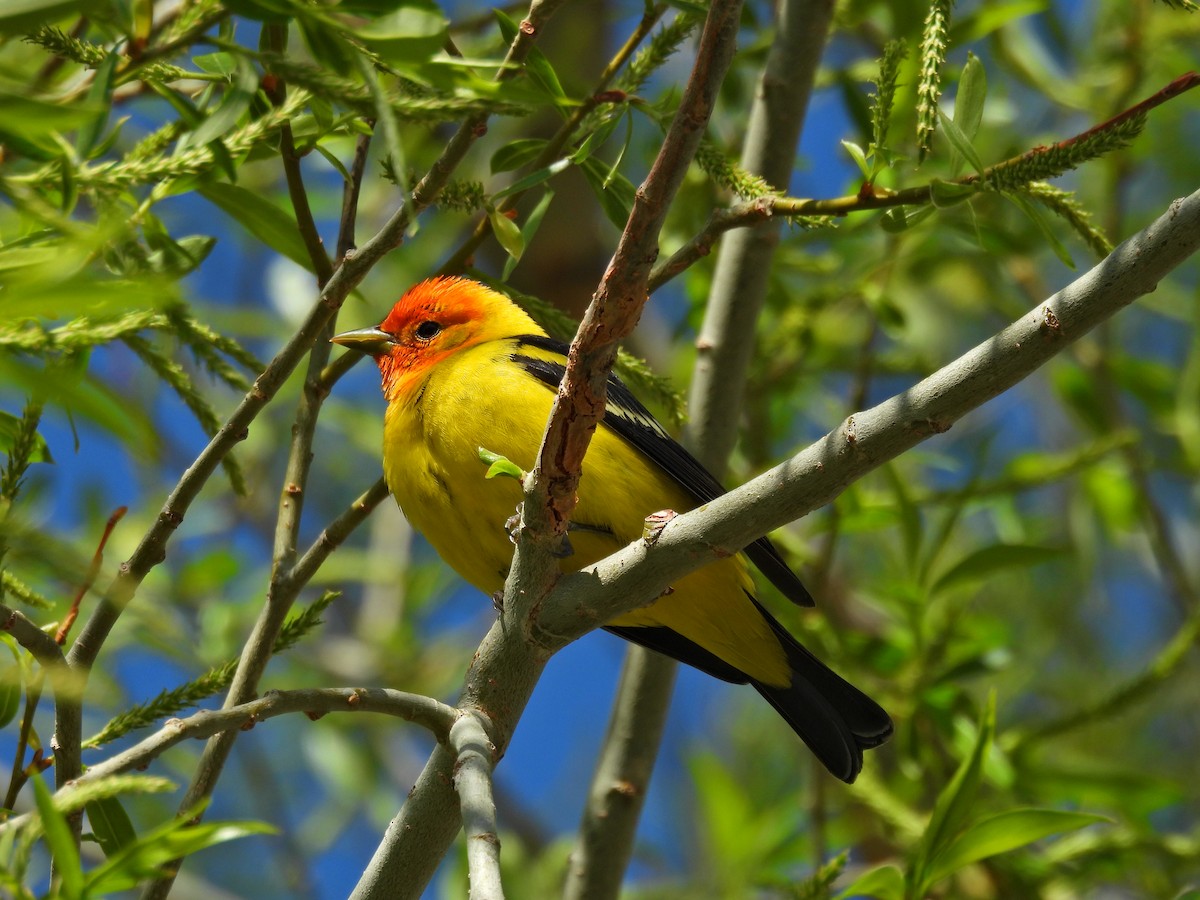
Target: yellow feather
[479, 397]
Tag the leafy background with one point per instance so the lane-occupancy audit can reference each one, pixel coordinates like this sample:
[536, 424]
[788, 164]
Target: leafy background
[1041, 554]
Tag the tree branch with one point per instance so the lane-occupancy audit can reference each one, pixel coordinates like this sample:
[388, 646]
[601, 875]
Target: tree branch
[598, 862]
[617, 304]
[438, 718]
[866, 440]
[476, 756]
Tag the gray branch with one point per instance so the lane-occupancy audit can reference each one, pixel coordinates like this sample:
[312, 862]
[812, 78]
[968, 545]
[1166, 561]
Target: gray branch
[867, 440]
[438, 717]
[473, 781]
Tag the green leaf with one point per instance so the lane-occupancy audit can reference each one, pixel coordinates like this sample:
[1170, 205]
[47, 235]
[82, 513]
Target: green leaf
[99, 94]
[1023, 204]
[173, 840]
[30, 123]
[952, 806]
[894, 220]
[515, 154]
[188, 113]
[948, 193]
[884, 883]
[968, 102]
[224, 64]
[596, 139]
[532, 222]
[412, 33]
[725, 810]
[612, 189]
[178, 258]
[9, 425]
[10, 685]
[992, 17]
[508, 233]
[110, 825]
[900, 219]
[84, 294]
[988, 560]
[911, 524]
[59, 841]
[1113, 496]
[960, 142]
[500, 465]
[233, 106]
[1077, 390]
[860, 158]
[19, 17]
[328, 46]
[533, 179]
[1004, 832]
[81, 395]
[271, 224]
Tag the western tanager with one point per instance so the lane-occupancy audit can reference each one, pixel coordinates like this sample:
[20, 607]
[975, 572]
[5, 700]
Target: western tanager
[463, 368]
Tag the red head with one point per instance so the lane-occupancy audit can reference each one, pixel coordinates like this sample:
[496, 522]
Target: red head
[432, 321]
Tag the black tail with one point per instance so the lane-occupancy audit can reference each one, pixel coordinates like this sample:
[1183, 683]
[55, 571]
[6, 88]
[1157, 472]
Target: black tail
[834, 718]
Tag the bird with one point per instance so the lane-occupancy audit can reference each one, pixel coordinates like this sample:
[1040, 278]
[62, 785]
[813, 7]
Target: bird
[462, 368]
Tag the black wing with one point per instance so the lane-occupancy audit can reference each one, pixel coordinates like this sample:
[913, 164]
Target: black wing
[625, 415]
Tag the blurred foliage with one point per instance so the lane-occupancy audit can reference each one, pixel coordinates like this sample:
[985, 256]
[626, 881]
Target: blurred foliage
[1020, 593]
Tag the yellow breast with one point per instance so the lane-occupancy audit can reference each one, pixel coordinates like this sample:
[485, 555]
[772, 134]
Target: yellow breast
[481, 398]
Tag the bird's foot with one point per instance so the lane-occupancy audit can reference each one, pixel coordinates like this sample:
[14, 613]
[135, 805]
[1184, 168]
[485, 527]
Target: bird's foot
[654, 524]
[512, 525]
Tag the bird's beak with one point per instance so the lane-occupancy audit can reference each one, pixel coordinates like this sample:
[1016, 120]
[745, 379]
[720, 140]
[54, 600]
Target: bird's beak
[371, 341]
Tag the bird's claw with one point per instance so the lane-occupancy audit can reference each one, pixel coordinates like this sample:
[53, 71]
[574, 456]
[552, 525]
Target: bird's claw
[652, 527]
[561, 549]
[512, 526]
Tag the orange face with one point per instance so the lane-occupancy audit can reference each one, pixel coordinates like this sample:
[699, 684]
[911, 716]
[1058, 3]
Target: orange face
[433, 320]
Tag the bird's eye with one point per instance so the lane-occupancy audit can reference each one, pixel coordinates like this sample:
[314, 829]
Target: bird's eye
[427, 331]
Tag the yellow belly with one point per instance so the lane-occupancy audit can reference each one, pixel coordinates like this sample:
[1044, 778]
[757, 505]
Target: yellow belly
[479, 399]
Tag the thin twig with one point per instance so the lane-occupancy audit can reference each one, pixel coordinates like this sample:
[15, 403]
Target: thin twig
[438, 718]
[64, 629]
[760, 209]
[26, 633]
[358, 168]
[476, 756]
[305, 223]
[554, 147]
[336, 532]
[622, 777]
[67, 702]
